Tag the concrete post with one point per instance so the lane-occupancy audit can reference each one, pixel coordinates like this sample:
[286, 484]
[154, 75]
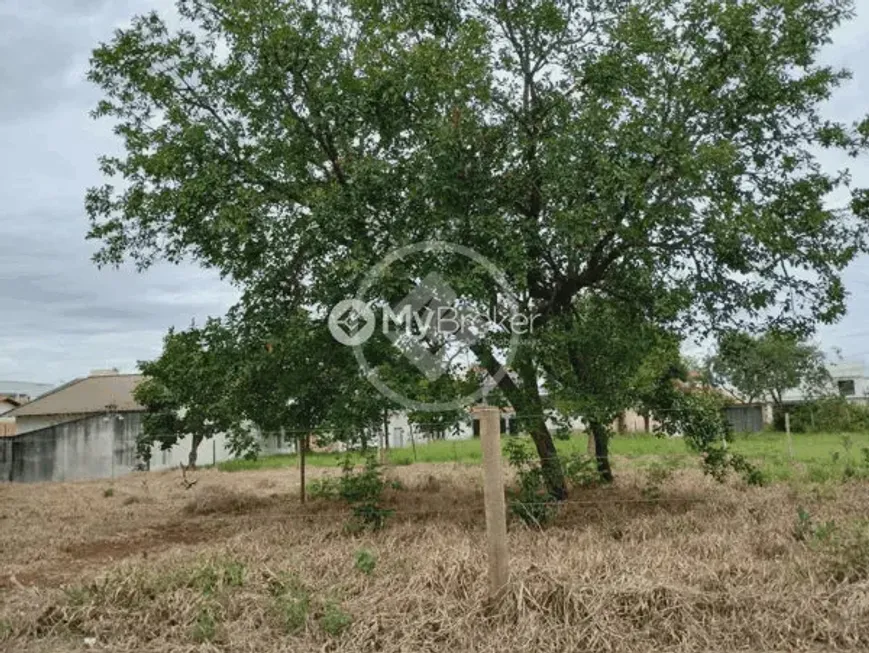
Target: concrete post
[493, 495]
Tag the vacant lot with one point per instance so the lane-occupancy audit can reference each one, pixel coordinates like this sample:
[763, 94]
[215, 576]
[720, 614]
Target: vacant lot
[664, 560]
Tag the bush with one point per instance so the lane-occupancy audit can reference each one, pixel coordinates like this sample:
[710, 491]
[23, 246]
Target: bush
[365, 561]
[334, 620]
[323, 488]
[363, 491]
[828, 414]
[531, 501]
[292, 603]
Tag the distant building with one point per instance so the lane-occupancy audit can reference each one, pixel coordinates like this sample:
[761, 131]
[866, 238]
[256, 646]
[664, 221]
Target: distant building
[89, 428]
[847, 379]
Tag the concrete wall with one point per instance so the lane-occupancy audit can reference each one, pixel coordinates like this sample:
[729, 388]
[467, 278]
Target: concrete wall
[96, 447]
[27, 423]
[86, 448]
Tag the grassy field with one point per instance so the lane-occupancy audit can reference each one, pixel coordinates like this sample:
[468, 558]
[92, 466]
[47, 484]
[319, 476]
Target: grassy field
[237, 564]
[817, 457]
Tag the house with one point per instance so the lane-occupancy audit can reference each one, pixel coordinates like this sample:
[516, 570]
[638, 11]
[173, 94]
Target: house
[7, 424]
[89, 428]
[100, 393]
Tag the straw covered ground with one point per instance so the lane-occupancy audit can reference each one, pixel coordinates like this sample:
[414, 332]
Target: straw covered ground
[236, 564]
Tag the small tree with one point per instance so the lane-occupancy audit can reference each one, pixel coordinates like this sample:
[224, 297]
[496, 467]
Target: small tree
[184, 391]
[759, 368]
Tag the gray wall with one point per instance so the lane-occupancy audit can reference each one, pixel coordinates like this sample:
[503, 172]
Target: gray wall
[93, 447]
[745, 419]
[101, 447]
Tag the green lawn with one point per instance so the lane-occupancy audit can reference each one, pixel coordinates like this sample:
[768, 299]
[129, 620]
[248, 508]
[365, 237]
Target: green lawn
[817, 456]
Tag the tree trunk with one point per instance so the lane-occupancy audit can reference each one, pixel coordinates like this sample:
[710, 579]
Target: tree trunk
[549, 462]
[386, 429]
[303, 448]
[194, 451]
[600, 434]
[526, 401]
[647, 422]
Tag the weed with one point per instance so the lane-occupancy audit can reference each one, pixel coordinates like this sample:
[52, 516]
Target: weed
[291, 603]
[205, 626]
[323, 488]
[334, 620]
[5, 630]
[212, 577]
[365, 561]
[401, 460]
[848, 555]
[396, 484]
[805, 529]
[109, 492]
[657, 474]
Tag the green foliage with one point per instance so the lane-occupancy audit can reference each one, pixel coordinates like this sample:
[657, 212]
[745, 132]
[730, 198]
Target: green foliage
[806, 530]
[212, 577]
[697, 414]
[825, 415]
[580, 470]
[365, 561]
[334, 620]
[765, 367]
[657, 474]
[603, 157]
[205, 626]
[531, 501]
[323, 488]
[363, 492]
[185, 389]
[109, 492]
[291, 602]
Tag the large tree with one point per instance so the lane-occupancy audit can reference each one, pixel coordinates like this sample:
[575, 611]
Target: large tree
[653, 153]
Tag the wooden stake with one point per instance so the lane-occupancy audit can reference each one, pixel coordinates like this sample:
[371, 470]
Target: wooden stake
[493, 495]
[790, 439]
[302, 447]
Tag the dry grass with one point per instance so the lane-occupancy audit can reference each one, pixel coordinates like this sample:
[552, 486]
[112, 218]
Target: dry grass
[236, 564]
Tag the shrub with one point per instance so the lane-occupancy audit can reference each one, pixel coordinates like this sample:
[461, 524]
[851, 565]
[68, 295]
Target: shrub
[292, 603]
[205, 626]
[109, 492]
[334, 620]
[531, 501]
[827, 414]
[580, 470]
[363, 491]
[365, 561]
[323, 488]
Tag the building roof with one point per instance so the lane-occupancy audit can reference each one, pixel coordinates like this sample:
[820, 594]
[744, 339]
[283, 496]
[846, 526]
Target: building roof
[92, 394]
[15, 401]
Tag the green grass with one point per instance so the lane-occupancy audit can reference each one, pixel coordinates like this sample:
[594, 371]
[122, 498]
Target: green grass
[818, 457]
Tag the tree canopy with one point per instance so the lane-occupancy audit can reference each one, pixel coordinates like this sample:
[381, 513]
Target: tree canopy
[764, 367]
[658, 156]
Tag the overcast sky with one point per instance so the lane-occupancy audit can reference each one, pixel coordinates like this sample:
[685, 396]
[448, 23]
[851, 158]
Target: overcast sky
[61, 316]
